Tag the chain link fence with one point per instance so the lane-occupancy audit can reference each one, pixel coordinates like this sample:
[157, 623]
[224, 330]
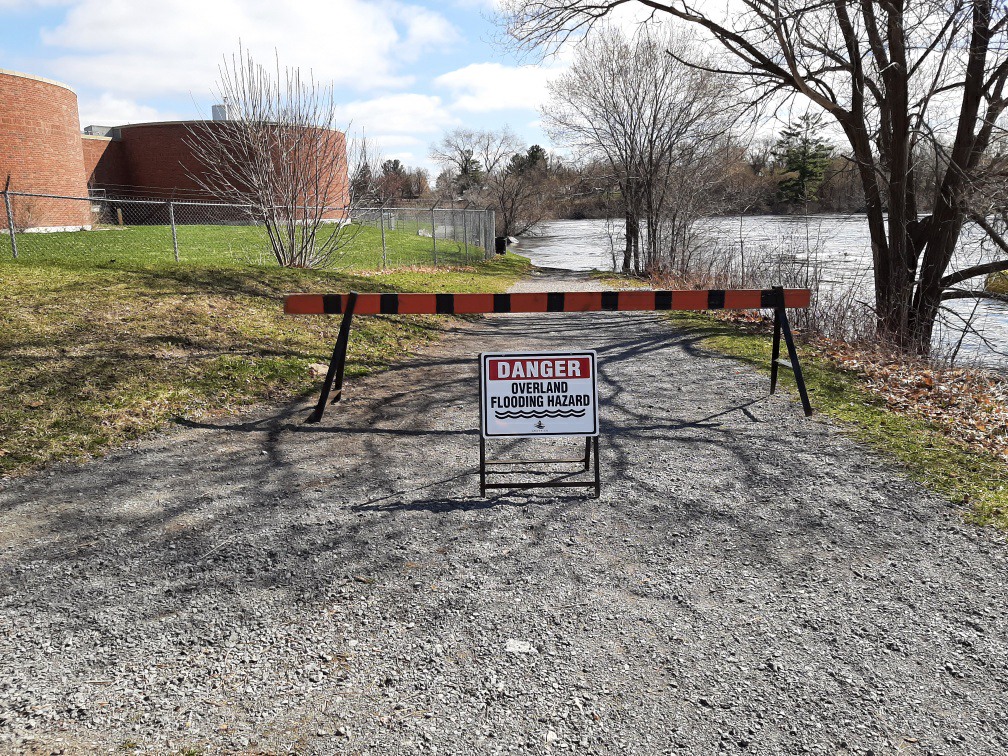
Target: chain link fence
[47, 227]
[456, 235]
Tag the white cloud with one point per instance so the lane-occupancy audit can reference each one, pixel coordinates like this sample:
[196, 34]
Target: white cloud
[407, 158]
[425, 29]
[393, 141]
[110, 110]
[402, 114]
[486, 87]
[175, 46]
[400, 125]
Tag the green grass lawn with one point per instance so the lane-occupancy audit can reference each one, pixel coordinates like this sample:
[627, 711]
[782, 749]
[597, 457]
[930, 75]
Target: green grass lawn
[227, 246]
[103, 337]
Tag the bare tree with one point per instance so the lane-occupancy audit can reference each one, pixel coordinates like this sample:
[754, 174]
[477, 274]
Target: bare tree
[473, 155]
[892, 75]
[280, 154]
[657, 122]
[489, 167]
[518, 190]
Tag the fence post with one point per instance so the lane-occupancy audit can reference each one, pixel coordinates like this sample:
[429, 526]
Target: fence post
[491, 231]
[384, 252]
[174, 234]
[465, 231]
[481, 234]
[487, 241]
[433, 231]
[478, 231]
[10, 217]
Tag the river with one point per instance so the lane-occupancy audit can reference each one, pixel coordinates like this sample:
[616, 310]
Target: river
[838, 243]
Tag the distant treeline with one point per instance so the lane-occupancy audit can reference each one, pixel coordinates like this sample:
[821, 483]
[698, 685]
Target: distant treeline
[797, 171]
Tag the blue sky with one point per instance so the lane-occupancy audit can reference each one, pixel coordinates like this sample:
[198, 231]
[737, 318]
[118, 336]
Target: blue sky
[404, 70]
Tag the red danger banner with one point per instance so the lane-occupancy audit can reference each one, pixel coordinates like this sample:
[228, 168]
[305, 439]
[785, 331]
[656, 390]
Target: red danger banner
[546, 367]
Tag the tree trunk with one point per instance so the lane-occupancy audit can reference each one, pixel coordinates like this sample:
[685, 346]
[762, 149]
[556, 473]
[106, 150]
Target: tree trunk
[945, 226]
[631, 234]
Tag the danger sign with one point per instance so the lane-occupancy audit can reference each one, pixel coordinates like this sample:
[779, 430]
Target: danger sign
[538, 394]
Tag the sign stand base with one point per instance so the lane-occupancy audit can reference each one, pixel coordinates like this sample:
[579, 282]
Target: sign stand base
[591, 454]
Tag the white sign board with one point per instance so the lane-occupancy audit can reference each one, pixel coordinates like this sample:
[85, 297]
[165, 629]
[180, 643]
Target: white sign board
[538, 394]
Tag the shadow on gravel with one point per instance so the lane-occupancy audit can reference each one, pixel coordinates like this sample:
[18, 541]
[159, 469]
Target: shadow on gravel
[298, 425]
[731, 530]
[472, 504]
[258, 501]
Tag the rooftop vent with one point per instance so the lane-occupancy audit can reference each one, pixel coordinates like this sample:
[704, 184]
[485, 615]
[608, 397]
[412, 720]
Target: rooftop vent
[102, 131]
[225, 112]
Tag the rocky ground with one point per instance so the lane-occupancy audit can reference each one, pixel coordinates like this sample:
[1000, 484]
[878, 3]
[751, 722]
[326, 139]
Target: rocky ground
[750, 581]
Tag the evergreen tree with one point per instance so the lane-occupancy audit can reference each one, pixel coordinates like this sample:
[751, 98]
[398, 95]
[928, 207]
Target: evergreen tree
[393, 168]
[535, 159]
[805, 157]
[470, 175]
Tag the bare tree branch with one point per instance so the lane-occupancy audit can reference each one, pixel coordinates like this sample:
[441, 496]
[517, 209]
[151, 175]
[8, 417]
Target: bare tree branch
[893, 75]
[281, 154]
[971, 294]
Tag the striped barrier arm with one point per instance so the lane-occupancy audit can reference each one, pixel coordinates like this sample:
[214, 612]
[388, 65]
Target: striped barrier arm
[348, 305]
[571, 301]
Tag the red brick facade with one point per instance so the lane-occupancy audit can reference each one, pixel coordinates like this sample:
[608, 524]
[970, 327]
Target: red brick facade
[40, 147]
[157, 161]
[103, 161]
[43, 150]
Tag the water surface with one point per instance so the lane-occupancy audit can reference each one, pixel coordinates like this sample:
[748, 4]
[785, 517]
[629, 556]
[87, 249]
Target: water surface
[839, 245]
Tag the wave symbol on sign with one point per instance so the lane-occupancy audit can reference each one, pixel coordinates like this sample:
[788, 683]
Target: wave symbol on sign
[530, 415]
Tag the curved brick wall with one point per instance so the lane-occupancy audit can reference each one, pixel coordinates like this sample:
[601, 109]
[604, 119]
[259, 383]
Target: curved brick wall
[155, 160]
[40, 147]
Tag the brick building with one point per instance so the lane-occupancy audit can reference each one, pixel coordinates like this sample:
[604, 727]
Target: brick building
[40, 148]
[44, 151]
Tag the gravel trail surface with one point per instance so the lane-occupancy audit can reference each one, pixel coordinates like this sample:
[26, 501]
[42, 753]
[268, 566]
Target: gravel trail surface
[750, 581]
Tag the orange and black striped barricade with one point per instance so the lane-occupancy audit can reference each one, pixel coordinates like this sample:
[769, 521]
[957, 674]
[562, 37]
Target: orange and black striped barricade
[777, 299]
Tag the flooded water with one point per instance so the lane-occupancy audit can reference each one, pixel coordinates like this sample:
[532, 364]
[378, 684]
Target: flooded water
[839, 245]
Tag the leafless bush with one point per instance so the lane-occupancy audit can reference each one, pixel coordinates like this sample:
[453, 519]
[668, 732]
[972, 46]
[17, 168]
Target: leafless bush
[838, 308]
[281, 154]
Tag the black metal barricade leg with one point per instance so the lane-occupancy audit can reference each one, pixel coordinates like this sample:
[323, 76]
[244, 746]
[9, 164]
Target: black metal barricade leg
[795, 365]
[783, 328]
[337, 364]
[598, 480]
[776, 350]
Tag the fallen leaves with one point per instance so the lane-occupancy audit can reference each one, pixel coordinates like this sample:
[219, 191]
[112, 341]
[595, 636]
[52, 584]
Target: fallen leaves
[969, 404]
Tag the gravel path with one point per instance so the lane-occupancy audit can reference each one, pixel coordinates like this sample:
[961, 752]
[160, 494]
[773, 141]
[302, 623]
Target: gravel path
[750, 580]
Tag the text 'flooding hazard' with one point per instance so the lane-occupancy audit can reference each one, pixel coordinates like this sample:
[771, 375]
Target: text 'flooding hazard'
[538, 394]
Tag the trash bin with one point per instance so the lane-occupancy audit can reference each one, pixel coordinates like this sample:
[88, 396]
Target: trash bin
[500, 244]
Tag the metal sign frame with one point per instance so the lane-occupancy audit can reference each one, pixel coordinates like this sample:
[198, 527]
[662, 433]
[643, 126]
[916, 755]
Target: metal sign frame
[562, 480]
